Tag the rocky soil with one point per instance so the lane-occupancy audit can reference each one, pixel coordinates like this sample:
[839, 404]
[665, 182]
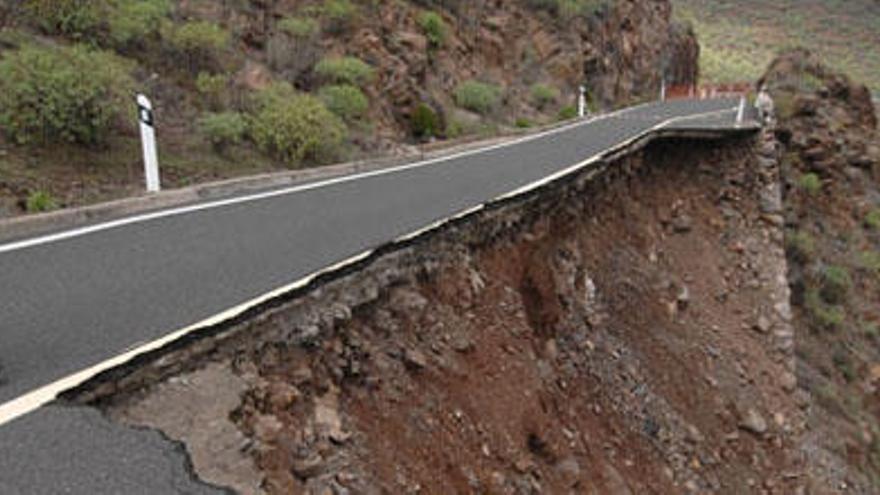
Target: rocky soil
[831, 167]
[626, 331]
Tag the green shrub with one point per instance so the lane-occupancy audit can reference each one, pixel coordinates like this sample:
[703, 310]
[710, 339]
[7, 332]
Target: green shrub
[74, 18]
[295, 127]
[212, 88]
[345, 70]
[132, 21]
[62, 94]
[544, 95]
[345, 100]
[424, 122]
[843, 362]
[523, 123]
[870, 261]
[568, 112]
[199, 44]
[454, 129]
[298, 27]
[434, 28]
[223, 129]
[800, 245]
[810, 183]
[39, 201]
[836, 283]
[340, 14]
[823, 316]
[872, 219]
[477, 97]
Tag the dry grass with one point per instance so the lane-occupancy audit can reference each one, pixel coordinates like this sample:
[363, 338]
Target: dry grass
[741, 37]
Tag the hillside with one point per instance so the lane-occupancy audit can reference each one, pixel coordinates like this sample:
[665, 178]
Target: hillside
[252, 86]
[739, 38]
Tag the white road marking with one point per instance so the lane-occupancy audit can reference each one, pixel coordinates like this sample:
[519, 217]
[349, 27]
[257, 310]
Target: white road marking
[33, 400]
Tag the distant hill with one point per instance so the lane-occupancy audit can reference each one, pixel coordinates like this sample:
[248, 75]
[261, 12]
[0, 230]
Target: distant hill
[740, 37]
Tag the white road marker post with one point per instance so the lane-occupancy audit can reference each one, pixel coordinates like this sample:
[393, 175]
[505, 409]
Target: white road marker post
[582, 102]
[741, 113]
[663, 89]
[148, 139]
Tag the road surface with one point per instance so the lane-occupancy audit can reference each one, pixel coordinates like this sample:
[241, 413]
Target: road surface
[76, 299]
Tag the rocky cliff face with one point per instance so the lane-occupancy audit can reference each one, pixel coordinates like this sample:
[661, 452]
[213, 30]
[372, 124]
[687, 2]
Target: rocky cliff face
[831, 164]
[618, 49]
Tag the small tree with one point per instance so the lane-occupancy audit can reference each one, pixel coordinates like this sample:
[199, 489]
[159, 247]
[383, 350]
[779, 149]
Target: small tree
[62, 94]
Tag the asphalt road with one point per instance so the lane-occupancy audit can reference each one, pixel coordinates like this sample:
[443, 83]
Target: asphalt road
[67, 305]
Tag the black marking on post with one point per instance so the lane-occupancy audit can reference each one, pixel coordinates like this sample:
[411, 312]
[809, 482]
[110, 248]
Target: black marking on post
[145, 115]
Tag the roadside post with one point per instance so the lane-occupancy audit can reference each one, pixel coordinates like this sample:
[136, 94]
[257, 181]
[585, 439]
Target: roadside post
[582, 102]
[663, 89]
[740, 114]
[148, 139]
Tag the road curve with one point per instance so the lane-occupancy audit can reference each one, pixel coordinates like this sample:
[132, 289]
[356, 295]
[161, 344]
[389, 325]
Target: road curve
[74, 299]
[68, 303]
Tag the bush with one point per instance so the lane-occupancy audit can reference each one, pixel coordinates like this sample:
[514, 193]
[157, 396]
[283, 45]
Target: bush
[434, 28]
[132, 21]
[523, 123]
[544, 95]
[870, 261]
[346, 101]
[800, 246]
[477, 97]
[836, 283]
[39, 201]
[295, 127]
[872, 219]
[63, 94]
[74, 18]
[340, 14]
[345, 70]
[424, 122]
[212, 88]
[298, 27]
[199, 44]
[810, 183]
[824, 316]
[223, 129]
[568, 112]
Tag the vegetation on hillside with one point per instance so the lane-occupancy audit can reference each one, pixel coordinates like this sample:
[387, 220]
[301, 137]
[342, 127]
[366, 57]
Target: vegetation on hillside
[739, 38]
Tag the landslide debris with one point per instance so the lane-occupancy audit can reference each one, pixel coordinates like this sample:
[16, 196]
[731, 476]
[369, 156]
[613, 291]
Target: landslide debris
[831, 163]
[575, 341]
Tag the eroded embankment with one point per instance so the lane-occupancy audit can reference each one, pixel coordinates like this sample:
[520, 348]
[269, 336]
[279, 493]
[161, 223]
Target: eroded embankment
[622, 332]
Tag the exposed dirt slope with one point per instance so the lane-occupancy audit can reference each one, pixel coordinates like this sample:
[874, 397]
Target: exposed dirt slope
[625, 332]
[831, 162]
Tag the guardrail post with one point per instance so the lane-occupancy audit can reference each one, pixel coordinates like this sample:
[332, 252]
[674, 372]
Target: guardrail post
[148, 139]
[740, 115]
[582, 102]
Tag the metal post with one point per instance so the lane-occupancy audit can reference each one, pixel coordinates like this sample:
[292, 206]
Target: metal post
[148, 139]
[742, 110]
[582, 102]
